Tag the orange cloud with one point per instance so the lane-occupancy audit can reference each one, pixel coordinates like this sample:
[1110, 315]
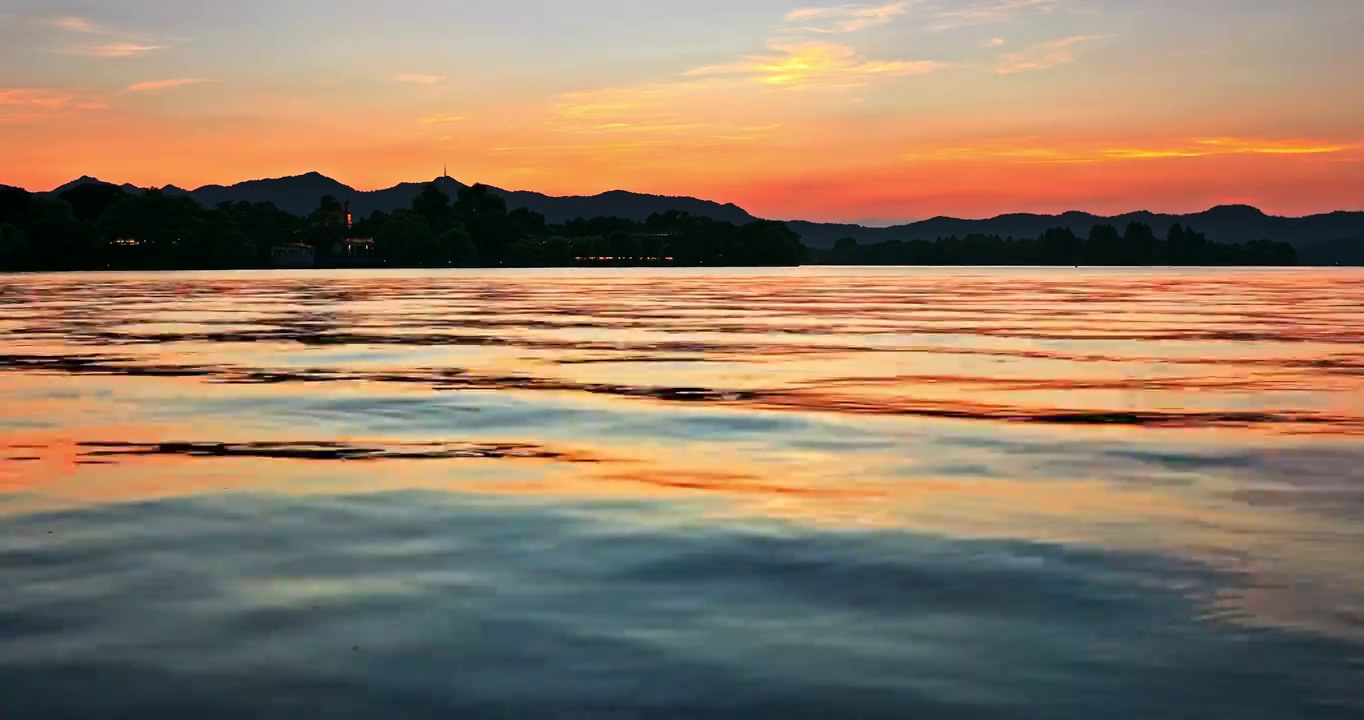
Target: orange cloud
[594, 103]
[659, 123]
[442, 119]
[165, 84]
[76, 24]
[1196, 148]
[1239, 146]
[816, 65]
[724, 132]
[35, 97]
[118, 49]
[845, 18]
[20, 104]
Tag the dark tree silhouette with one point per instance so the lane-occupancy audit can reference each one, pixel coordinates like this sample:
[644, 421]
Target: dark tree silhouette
[13, 204]
[326, 225]
[265, 225]
[602, 226]
[1059, 246]
[99, 226]
[91, 200]
[14, 253]
[457, 247]
[369, 227]
[845, 252]
[1184, 246]
[526, 252]
[1139, 246]
[1104, 246]
[765, 242]
[485, 216]
[407, 239]
[58, 240]
[527, 222]
[622, 246]
[558, 252]
[158, 230]
[433, 204]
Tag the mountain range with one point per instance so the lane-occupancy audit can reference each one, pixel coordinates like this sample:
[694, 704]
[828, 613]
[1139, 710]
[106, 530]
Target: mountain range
[1330, 238]
[299, 195]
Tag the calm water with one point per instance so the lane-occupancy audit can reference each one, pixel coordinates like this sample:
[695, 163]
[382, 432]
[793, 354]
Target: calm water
[738, 494]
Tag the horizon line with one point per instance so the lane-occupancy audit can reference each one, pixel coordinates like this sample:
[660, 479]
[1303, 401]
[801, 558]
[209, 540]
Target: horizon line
[881, 224]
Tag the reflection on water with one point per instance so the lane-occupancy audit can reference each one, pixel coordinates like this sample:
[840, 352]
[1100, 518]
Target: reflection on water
[809, 493]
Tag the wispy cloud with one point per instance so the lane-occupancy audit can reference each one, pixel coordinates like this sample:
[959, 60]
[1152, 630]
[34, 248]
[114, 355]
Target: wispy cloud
[1189, 148]
[35, 97]
[77, 24]
[989, 11]
[418, 79]
[153, 85]
[114, 43]
[660, 107]
[845, 18]
[995, 42]
[442, 119]
[658, 123]
[1261, 146]
[118, 49]
[711, 108]
[1043, 56]
[932, 15]
[816, 65]
[19, 104]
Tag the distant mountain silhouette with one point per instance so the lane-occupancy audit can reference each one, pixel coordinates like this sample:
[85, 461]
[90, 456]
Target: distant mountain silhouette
[622, 204]
[299, 195]
[87, 180]
[1345, 251]
[1331, 237]
[1227, 224]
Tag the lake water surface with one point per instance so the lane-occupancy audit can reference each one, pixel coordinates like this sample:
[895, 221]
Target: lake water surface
[899, 493]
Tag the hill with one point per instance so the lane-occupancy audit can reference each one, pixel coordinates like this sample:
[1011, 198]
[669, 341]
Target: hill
[299, 195]
[1345, 251]
[1227, 224]
[1320, 236]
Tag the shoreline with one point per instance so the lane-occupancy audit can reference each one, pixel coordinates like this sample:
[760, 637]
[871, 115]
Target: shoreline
[4, 273]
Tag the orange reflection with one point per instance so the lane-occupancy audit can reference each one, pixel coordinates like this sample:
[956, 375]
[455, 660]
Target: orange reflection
[1132, 410]
[813, 489]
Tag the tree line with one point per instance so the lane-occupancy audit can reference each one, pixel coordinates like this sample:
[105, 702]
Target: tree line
[1104, 246]
[100, 226]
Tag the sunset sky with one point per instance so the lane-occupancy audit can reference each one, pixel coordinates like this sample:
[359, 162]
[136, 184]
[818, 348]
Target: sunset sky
[877, 111]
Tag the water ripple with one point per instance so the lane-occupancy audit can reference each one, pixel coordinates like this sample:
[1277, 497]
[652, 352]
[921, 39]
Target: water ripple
[820, 492]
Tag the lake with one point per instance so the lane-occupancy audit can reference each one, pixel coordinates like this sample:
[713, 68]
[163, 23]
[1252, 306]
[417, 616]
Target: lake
[819, 492]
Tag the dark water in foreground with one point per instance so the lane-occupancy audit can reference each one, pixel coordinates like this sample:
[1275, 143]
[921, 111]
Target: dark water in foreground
[734, 494]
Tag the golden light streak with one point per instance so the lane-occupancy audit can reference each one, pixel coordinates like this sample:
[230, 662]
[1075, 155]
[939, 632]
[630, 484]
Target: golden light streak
[1195, 148]
[442, 119]
[153, 85]
[816, 65]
